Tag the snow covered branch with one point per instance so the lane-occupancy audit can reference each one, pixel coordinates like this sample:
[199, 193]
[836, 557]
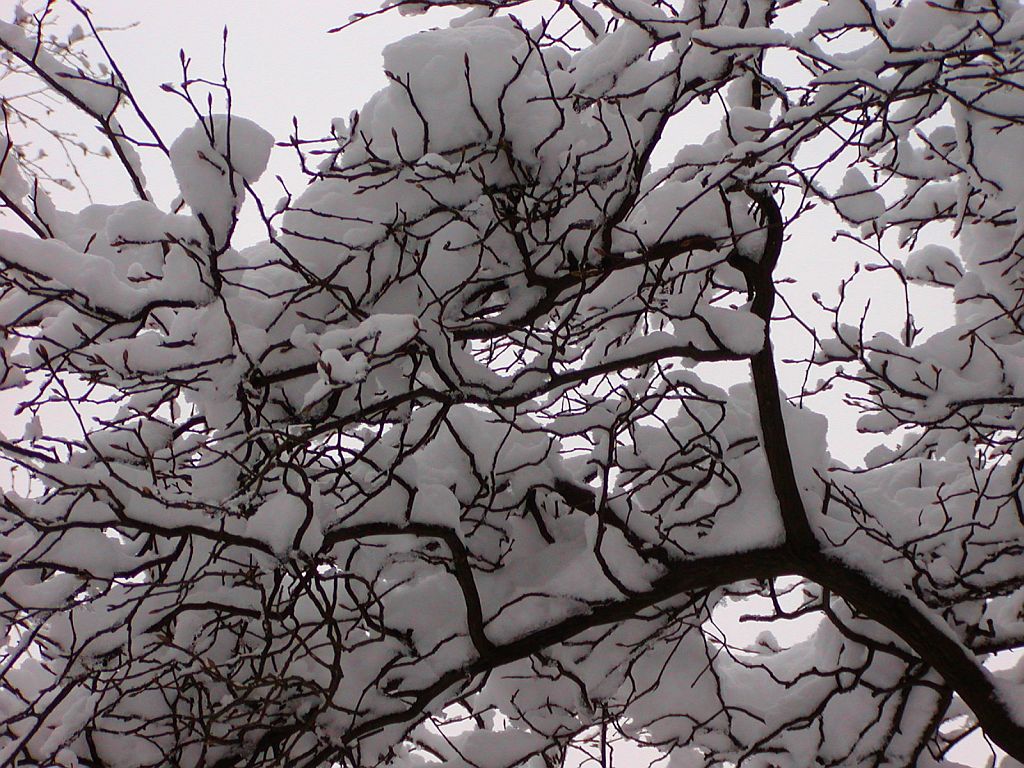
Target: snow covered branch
[525, 434]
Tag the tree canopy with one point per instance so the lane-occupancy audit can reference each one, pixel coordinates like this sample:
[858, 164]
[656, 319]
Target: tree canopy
[478, 456]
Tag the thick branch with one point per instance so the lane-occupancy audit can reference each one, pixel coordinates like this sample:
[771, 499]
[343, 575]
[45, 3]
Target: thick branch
[932, 642]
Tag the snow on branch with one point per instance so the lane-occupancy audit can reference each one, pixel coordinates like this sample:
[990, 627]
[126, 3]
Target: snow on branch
[530, 403]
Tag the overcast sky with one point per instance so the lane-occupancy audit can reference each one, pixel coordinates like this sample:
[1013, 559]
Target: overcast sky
[282, 62]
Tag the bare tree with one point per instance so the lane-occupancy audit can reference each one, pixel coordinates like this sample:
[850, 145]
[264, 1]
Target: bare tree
[439, 472]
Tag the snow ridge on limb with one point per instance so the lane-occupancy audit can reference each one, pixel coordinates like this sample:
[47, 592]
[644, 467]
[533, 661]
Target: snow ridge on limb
[904, 616]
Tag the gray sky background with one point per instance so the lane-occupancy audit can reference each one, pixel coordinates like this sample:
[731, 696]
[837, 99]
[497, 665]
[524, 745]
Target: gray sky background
[282, 62]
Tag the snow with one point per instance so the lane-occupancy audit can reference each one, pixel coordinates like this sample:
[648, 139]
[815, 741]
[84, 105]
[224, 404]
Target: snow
[99, 98]
[934, 265]
[494, 369]
[924, 23]
[597, 68]
[89, 280]
[342, 369]
[436, 505]
[211, 161]
[429, 73]
[278, 521]
[12, 183]
[857, 200]
[741, 37]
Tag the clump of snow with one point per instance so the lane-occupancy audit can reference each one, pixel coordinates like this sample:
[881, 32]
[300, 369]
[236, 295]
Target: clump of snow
[12, 183]
[857, 199]
[212, 160]
[934, 265]
[278, 521]
[436, 505]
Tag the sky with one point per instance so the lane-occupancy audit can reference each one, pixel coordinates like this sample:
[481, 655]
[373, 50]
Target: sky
[282, 62]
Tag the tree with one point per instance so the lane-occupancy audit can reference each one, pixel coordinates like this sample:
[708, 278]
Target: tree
[472, 457]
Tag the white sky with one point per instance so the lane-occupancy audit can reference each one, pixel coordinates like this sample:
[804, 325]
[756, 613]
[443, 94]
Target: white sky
[282, 62]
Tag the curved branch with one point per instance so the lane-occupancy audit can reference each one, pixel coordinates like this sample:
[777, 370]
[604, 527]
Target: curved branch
[933, 643]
